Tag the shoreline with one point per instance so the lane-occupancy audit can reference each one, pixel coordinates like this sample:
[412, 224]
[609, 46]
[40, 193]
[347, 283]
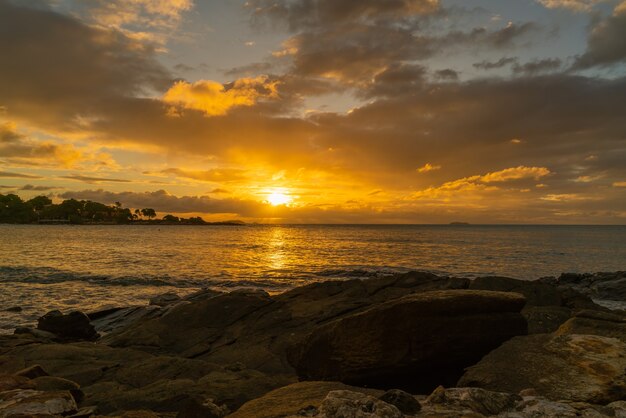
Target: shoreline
[241, 353]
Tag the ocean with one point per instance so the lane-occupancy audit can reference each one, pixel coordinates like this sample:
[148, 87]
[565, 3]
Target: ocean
[45, 267]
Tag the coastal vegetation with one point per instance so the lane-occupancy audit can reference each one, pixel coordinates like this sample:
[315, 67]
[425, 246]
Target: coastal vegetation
[41, 209]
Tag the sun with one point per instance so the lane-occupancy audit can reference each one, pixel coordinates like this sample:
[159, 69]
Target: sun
[277, 198]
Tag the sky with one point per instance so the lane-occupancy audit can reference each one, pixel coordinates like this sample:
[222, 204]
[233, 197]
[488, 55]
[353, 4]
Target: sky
[320, 111]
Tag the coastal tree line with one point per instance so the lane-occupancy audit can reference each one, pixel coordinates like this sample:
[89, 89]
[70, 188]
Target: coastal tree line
[41, 209]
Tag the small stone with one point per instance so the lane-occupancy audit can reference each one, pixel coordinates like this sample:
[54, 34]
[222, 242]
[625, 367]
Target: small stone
[405, 402]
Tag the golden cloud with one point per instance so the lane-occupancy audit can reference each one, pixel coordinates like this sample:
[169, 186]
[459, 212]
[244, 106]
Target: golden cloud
[479, 183]
[216, 99]
[428, 167]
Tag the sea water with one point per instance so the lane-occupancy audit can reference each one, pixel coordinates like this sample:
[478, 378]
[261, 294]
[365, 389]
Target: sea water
[45, 267]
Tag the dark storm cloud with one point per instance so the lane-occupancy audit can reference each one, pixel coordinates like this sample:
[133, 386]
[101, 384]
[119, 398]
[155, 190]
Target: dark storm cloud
[606, 43]
[55, 67]
[162, 201]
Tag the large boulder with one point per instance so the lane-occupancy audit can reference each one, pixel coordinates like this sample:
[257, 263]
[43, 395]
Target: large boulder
[581, 368]
[416, 342]
[74, 326]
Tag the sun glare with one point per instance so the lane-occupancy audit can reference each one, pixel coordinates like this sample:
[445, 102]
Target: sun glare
[277, 198]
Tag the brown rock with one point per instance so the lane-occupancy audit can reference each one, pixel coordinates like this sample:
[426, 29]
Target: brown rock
[348, 404]
[583, 368]
[73, 326]
[32, 372]
[606, 324]
[415, 342]
[26, 403]
[477, 400]
[288, 400]
[9, 382]
[165, 299]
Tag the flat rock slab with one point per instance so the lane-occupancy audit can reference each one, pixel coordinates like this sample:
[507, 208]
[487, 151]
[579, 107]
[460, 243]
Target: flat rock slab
[420, 340]
[582, 368]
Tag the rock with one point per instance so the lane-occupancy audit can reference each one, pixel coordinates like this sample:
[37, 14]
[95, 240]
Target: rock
[189, 329]
[44, 336]
[348, 404]
[202, 294]
[165, 299]
[254, 328]
[605, 324]
[73, 326]
[581, 368]
[298, 398]
[545, 319]
[86, 412]
[198, 408]
[117, 319]
[14, 309]
[171, 394]
[50, 383]
[32, 372]
[8, 382]
[415, 342]
[618, 408]
[598, 286]
[477, 400]
[21, 403]
[541, 407]
[536, 292]
[405, 402]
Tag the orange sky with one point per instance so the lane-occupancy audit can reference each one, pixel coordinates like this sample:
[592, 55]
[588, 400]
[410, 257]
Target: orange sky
[320, 111]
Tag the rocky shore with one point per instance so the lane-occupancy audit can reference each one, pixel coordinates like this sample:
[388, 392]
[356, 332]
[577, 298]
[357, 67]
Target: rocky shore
[407, 345]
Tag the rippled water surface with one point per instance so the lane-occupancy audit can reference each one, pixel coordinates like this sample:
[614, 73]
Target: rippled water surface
[90, 267]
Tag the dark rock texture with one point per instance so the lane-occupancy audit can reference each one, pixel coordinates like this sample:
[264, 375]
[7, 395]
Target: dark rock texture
[416, 341]
[73, 326]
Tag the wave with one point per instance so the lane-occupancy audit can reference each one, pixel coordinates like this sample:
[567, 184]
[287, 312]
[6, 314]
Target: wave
[48, 275]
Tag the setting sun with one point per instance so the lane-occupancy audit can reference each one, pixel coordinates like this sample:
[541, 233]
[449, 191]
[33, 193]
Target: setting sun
[277, 198]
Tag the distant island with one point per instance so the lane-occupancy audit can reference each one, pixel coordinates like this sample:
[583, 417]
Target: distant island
[459, 223]
[41, 210]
